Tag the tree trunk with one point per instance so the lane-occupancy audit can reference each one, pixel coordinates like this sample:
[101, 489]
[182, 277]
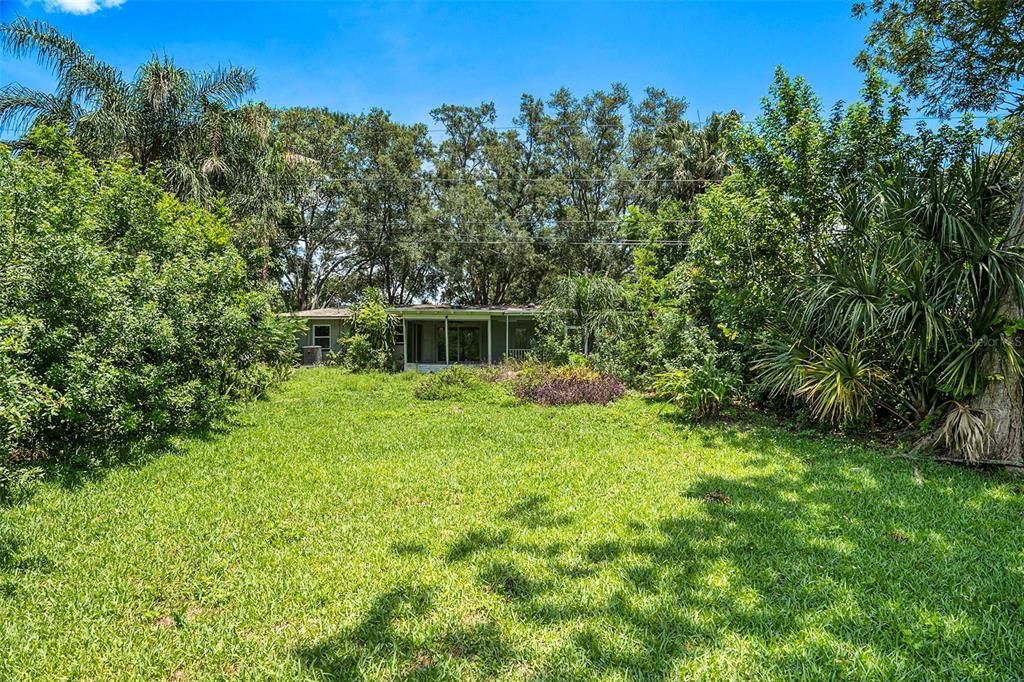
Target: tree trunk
[1003, 400]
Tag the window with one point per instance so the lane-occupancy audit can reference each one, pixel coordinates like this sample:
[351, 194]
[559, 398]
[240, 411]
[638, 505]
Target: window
[322, 336]
[520, 334]
[465, 343]
[400, 335]
[439, 337]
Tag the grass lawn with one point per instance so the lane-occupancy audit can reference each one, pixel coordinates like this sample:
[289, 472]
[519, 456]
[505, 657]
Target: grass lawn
[346, 530]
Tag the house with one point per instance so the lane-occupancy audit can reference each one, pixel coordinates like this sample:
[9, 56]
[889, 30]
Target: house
[430, 337]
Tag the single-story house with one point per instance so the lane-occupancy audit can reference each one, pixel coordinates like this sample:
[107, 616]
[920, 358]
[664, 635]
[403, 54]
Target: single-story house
[430, 337]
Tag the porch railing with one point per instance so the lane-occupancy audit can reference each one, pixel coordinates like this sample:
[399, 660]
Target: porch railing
[517, 353]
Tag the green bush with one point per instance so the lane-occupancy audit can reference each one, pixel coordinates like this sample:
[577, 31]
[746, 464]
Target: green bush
[700, 391]
[450, 382]
[124, 313]
[370, 348]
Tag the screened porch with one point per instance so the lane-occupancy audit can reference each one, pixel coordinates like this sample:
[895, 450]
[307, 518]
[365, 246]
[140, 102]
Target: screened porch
[429, 343]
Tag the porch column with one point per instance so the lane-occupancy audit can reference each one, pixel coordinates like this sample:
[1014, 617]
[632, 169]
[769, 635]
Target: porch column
[489, 344]
[446, 339]
[405, 344]
[506, 336]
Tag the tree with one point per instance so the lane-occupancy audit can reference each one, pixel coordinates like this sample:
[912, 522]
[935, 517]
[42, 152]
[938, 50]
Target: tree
[694, 156]
[490, 195]
[802, 158]
[600, 168]
[315, 239]
[903, 308]
[371, 346]
[965, 56]
[185, 121]
[387, 188]
[125, 314]
[580, 310]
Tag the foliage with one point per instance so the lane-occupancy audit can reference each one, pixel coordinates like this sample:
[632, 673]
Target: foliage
[26, 403]
[125, 315]
[903, 306]
[357, 211]
[371, 345]
[841, 385]
[450, 382]
[953, 55]
[700, 391]
[696, 156]
[311, 230]
[966, 430]
[564, 385]
[828, 257]
[965, 56]
[580, 312]
[185, 121]
[741, 263]
[492, 204]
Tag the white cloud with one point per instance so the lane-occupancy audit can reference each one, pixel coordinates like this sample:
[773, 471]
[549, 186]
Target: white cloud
[80, 6]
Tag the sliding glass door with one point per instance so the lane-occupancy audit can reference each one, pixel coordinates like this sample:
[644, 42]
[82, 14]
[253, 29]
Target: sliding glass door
[464, 343]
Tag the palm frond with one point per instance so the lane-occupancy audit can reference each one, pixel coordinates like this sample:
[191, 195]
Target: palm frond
[21, 107]
[841, 386]
[225, 86]
[966, 431]
[79, 74]
[780, 370]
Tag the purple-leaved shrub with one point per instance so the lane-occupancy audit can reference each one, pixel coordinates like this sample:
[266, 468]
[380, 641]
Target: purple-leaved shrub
[547, 385]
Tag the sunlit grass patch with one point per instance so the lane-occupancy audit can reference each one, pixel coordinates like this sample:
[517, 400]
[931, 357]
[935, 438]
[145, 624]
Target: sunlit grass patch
[346, 530]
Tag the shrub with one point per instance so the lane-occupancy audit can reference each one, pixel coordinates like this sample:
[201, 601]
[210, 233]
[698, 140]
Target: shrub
[654, 341]
[548, 385]
[700, 391]
[359, 355]
[125, 314]
[370, 348]
[448, 383]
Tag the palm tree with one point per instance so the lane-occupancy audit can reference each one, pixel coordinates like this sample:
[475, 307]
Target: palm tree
[182, 120]
[588, 302]
[903, 311]
[696, 154]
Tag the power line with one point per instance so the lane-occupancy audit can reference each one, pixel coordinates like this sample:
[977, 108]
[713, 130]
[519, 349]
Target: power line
[494, 241]
[543, 222]
[604, 126]
[630, 128]
[556, 178]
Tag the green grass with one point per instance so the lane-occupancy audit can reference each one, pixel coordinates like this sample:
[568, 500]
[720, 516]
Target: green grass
[344, 529]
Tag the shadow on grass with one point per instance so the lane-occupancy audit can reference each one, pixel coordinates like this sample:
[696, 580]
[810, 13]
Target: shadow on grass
[830, 566]
[72, 471]
[387, 636]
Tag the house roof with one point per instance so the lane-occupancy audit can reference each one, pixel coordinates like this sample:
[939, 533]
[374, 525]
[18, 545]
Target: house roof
[323, 312]
[440, 309]
[530, 309]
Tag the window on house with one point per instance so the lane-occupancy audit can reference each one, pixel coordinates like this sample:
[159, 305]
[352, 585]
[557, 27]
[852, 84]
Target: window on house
[322, 336]
[464, 343]
[520, 337]
[439, 338]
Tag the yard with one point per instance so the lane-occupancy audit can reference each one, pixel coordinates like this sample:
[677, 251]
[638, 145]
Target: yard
[344, 529]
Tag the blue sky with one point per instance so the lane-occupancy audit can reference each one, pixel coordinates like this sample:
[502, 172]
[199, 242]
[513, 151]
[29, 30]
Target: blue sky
[411, 57]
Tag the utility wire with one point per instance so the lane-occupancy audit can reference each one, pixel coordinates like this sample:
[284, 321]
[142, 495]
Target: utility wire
[624, 127]
[511, 240]
[497, 222]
